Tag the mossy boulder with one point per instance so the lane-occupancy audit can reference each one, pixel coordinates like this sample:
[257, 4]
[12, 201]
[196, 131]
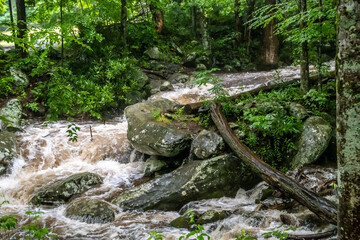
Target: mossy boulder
[8, 149]
[207, 144]
[12, 113]
[20, 78]
[298, 111]
[153, 137]
[212, 216]
[61, 191]
[90, 211]
[212, 178]
[200, 218]
[314, 140]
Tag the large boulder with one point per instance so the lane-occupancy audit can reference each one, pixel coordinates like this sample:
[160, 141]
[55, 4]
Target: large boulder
[20, 78]
[212, 178]
[7, 151]
[61, 191]
[297, 110]
[207, 144]
[153, 137]
[90, 210]
[11, 115]
[154, 53]
[314, 140]
[179, 78]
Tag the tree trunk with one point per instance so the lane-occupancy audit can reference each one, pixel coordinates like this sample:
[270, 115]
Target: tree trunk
[270, 44]
[304, 58]
[124, 23]
[205, 37]
[320, 62]
[21, 24]
[12, 19]
[322, 207]
[62, 32]
[238, 22]
[158, 18]
[250, 14]
[194, 20]
[348, 118]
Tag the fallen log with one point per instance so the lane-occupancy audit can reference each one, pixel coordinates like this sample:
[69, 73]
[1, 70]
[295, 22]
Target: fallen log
[276, 85]
[313, 236]
[322, 207]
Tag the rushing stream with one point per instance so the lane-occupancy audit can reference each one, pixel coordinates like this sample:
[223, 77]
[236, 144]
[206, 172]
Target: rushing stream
[45, 154]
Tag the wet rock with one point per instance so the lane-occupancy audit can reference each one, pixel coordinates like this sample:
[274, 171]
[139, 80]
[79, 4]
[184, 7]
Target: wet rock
[201, 67]
[155, 85]
[61, 191]
[212, 216]
[213, 178]
[177, 49]
[155, 65]
[155, 137]
[8, 148]
[288, 219]
[166, 86]
[207, 144]
[12, 112]
[153, 165]
[314, 140]
[90, 211]
[20, 78]
[181, 222]
[179, 78]
[298, 111]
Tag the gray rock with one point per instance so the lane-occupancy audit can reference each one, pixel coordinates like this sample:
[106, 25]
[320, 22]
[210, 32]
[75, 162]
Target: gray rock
[154, 53]
[189, 60]
[12, 111]
[8, 149]
[313, 141]
[90, 211]
[213, 178]
[298, 111]
[154, 137]
[207, 144]
[20, 78]
[61, 191]
[179, 78]
[155, 65]
[212, 216]
[228, 68]
[177, 49]
[166, 86]
[153, 165]
[200, 67]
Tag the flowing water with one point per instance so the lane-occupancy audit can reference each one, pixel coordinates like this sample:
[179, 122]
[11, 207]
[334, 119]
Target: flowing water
[45, 154]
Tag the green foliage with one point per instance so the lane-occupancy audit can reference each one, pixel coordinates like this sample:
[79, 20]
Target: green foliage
[155, 236]
[282, 235]
[7, 222]
[218, 89]
[244, 236]
[72, 132]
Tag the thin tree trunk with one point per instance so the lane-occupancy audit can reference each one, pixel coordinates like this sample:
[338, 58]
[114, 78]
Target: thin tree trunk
[21, 24]
[348, 118]
[270, 43]
[320, 62]
[12, 19]
[62, 32]
[304, 58]
[250, 14]
[205, 37]
[124, 22]
[194, 20]
[158, 18]
[322, 207]
[238, 22]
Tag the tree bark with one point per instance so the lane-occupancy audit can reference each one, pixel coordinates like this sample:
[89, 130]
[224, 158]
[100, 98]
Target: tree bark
[322, 207]
[270, 44]
[238, 22]
[12, 19]
[250, 14]
[158, 18]
[304, 58]
[21, 23]
[205, 37]
[348, 118]
[124, 23]
[194, 20]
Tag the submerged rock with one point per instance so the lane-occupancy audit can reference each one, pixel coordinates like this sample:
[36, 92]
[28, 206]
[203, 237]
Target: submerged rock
[207, 144]
[12, 112]
[212, 178]
[90, 211]
[314, 140]
[61, 191]
[155, 137]
[8, 148]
